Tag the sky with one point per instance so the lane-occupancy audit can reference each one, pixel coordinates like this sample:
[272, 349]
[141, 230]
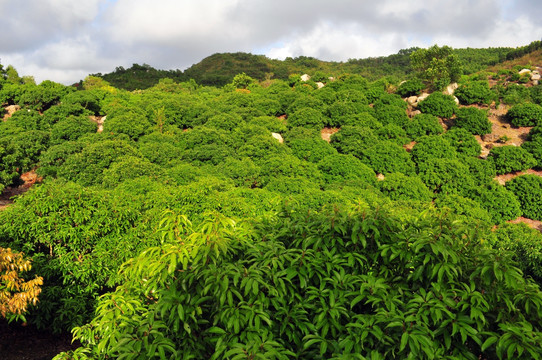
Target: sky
[65, 40]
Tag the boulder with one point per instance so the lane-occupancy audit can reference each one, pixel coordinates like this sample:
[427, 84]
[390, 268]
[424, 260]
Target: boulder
[535, 77]
[450, 89]
[456, 100]
[524, 71]
[320, 84]
[278, 137]
[415, 112]
[305, 77]
[423, 97]
[412, 100]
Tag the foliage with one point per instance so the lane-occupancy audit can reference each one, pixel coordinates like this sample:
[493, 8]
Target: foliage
[444, 175]
[340, 167]
[311, 149]
[306, 117]
[71, 128]
[433, 147]
[410, 87]
[393, 133]
[525, 114]
[415, 287]
[509, 158]
[438, 104]
[387, 157]
[242, 81]
[463, 141]
[439, 66]
[398, 186]
[471, 210]
[525, 245]
[423, 124]
[353, 139]
[16, 293]
[528, 190]
[474, 120]
[501, 204]
[474, 92]
[391, 114]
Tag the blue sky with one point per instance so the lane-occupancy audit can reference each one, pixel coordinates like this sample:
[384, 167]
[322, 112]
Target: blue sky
[65, 40]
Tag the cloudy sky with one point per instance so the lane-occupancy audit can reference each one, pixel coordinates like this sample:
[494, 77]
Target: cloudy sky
[65, 40]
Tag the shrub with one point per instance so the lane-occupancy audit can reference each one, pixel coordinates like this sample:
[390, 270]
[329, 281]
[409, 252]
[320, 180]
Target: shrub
[459, 205]
[501, 204]
[535, 149]
[410, 87]
[71, 129]
[311, 149]
[525, 245]
[391, 114]
[448, 176]
[463, 141]
[387, 157]
[353, 139]
[432, 147]
[509, 158]
[393, 133]
[243, 172]
[307, 117]
[474, 120]
[423, 124]
[525, 114]
[398, 186]
[439, 105]
[481, 170]
[133, 124]
[474, 92]
[318, 310]
[528, 190]
[339, 167]
[131, 167]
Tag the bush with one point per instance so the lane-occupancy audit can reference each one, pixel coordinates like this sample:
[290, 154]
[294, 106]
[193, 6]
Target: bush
[353, 139]
[432, 147]
[459, 205]
[474, 92]
[423, 124]
[131, 167]
[410, 87]
[391, 114]
[398, 186]
[463, 141]
[318, 310]
[510, 158]
[71, 129]
[525, 114]
[501, 204]
[393, 133]
[448, 176]
[387, 157]
[474, 120]
[130, 123]
[528, 190]
[525, 245]
[439, 105]
[535, 149]
[339, 167]
[311, 149]
[307, 117]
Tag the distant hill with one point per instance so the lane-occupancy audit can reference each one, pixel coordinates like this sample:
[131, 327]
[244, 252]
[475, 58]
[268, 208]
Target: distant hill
[220, 68]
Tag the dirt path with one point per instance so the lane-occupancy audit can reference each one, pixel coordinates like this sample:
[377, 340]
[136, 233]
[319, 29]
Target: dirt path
[29, 179]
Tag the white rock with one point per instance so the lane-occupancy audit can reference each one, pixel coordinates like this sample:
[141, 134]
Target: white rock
[412, 100]
[450, 89]
[423, 97]
[305, 77]
[320, 84]
[535, 77]
[456, 100]
[523, 71]
[278, 137]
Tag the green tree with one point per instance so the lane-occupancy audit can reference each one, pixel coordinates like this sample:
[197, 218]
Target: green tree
[438, 66]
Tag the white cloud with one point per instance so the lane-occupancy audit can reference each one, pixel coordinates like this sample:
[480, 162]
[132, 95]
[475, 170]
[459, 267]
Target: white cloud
[65, 40]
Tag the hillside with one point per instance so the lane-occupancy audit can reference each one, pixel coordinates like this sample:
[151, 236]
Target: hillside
[349, 217]
[219, 69]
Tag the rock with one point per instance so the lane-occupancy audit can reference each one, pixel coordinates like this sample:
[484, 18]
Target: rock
[10, 110]
[320, 84]
[305, 77]
[331, 78]
[278, 137]
[489, 146]
[450, 89]
[423, 97]
[535, 82]
[412, 100]
[524, 71]
[456, 100]
[415, 112]
[380, 177]
[490, 137]
[535, 77]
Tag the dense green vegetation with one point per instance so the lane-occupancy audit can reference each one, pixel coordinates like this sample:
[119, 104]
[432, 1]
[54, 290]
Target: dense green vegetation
[214, 222]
